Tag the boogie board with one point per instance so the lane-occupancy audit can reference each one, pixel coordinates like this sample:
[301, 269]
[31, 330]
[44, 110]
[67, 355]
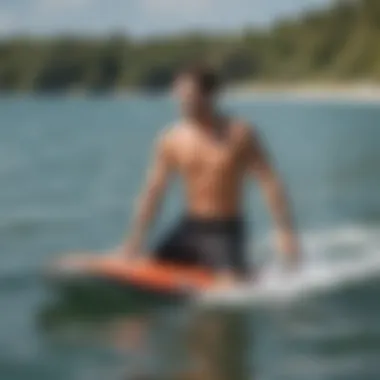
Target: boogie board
[270, 287]
[153, 277]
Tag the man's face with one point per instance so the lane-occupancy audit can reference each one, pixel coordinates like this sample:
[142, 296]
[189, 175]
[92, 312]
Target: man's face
[193, 101]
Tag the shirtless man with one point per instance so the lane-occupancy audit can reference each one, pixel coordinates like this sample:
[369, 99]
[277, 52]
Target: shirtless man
[213, 155]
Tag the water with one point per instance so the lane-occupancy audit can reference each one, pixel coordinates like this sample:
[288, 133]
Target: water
[69, 172]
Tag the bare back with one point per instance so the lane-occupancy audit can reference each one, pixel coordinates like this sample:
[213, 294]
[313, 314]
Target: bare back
[211, 164]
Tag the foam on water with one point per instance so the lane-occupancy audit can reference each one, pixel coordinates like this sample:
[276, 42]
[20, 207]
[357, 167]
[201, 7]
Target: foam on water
[334, 259]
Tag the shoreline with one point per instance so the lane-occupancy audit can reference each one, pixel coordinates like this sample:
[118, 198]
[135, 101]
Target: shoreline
[335, 92]
[353, 92]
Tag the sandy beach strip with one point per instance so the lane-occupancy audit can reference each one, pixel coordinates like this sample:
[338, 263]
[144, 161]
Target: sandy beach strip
[359, 92]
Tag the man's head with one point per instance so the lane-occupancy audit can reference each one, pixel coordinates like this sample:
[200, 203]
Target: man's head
[196, 88]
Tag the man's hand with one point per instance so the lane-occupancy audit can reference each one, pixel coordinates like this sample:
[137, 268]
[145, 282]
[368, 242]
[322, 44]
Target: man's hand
[132, 253]
[132, 249]
[287, 244]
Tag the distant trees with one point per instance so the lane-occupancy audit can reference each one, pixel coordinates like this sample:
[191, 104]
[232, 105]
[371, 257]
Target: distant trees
[342, 42]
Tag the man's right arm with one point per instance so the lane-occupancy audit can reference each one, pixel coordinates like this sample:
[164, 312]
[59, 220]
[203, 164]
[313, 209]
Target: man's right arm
[151, 197]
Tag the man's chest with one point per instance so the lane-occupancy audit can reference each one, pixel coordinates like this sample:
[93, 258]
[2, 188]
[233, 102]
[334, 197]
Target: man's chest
[208, 154]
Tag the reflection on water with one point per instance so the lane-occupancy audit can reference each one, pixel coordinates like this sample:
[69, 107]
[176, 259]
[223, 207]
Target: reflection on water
[171, 340]
[222, 345]
[123, 336]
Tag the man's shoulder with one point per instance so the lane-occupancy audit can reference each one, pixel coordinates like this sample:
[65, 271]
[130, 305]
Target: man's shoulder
[172, 130]
[243, 129]
[170, 135]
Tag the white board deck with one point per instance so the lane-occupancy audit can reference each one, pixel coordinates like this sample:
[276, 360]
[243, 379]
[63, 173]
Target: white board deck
[274, 287]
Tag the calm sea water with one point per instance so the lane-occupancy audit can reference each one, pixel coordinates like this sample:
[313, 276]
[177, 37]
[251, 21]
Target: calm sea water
[69, 172]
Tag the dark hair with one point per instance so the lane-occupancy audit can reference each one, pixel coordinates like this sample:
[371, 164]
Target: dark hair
[206, 78]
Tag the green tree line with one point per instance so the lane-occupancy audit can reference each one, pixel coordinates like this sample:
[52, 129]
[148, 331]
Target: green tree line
[339, 43]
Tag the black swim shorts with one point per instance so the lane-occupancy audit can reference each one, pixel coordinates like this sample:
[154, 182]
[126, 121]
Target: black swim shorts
[216, 244]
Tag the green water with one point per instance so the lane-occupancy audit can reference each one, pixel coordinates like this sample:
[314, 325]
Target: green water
[69, 172]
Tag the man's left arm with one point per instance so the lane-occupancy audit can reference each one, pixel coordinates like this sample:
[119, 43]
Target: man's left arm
[274, 192]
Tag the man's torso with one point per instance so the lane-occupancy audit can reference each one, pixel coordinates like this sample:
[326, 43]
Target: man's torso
[212, 165]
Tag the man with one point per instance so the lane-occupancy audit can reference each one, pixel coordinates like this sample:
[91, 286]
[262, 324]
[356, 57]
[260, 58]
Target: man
[213, 154]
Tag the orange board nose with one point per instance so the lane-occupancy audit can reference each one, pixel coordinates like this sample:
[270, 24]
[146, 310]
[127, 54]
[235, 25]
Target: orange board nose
[154, 276]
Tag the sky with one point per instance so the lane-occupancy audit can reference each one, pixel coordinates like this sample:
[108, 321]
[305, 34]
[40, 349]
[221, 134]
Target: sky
[142, 17]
